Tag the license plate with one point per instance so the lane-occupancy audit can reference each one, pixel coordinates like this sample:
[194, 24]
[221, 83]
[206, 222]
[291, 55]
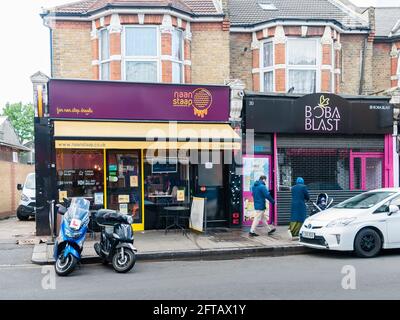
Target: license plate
[75, 224]
[308, 235]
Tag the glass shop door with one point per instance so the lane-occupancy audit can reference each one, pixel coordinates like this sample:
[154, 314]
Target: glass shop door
[124, 192]
[366, 170]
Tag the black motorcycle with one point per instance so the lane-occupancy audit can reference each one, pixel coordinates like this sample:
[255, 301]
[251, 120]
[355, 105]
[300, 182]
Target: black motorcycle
[116, 240]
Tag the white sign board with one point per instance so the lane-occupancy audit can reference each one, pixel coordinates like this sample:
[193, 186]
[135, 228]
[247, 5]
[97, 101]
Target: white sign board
[197, 214]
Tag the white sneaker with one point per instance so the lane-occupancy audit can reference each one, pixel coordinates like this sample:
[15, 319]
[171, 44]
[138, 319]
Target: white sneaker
[290, 234]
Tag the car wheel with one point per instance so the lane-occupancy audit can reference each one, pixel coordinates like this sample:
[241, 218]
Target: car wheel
[367, 243]
[21, 216]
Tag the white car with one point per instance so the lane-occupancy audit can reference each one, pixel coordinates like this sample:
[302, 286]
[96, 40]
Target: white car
[27, 203]
[365, 224]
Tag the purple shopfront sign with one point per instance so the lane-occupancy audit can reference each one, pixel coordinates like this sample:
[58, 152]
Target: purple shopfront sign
[77, 99]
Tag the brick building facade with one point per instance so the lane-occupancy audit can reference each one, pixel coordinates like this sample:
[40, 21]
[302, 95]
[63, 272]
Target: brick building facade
[157, 41]
[273, 46]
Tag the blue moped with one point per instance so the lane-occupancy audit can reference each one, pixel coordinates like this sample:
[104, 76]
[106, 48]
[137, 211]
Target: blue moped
[69, 244]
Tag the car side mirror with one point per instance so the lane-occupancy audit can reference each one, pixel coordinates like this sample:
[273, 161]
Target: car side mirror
[19, 186]
[393, 209]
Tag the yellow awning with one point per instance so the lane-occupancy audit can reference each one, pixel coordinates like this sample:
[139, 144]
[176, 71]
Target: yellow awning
[148, 135]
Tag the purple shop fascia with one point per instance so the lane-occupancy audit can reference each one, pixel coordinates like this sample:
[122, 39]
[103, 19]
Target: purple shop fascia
[137, 148]
[340, 145]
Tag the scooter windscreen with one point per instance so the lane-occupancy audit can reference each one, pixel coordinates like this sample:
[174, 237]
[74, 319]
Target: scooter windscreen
[77, 214]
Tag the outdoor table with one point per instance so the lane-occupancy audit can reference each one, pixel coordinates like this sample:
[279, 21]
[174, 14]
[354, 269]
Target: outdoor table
[175, 210]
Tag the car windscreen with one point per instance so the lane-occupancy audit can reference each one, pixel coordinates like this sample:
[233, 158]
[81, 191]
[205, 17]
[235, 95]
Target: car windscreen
[364, 200]
[30, 182]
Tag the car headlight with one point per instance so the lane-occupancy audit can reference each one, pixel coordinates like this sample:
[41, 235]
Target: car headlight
[24, 198]
[340, 222]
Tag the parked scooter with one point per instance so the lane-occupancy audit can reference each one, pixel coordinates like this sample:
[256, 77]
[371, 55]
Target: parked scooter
[322, 203]
[69, 244]
[116, 240]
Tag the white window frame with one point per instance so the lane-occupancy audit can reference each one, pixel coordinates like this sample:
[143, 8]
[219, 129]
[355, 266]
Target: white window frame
[263, 69]
[398, 70]
[101, 61]
[126, 58]
[182, 62]
[316, 67]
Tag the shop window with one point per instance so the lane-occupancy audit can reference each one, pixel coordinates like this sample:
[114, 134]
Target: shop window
[104, 43]
[80, 173]
[261, 144]
[322, 169]
[141, 54]
[166, 181]
[302, 65]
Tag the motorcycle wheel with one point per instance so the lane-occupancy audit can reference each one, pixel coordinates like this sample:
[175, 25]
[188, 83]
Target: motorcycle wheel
[123, 262]
[65, 265]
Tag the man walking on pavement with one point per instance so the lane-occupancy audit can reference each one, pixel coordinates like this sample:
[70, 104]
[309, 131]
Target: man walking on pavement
[260, 195]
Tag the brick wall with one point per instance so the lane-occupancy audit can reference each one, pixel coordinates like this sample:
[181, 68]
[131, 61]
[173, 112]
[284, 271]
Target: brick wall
[352, 45]
[381, 66]
[241, 58]
[12, 174]
[210, 53]
[72, 50]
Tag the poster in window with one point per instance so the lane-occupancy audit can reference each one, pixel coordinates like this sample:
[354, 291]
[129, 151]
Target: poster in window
[253, 168]
[123, 198]
[180, 195]
[98, 198]
[62, 195]
[123, 208]
[134, 181]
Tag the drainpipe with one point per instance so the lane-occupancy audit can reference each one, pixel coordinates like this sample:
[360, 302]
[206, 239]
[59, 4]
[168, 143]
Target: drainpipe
[47, 25]
[366, 76]
[362, 75]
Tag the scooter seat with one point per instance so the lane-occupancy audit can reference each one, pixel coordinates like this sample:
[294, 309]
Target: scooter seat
[110, 217]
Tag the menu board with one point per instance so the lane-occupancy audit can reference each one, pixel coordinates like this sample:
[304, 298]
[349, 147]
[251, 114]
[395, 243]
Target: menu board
[197, 214]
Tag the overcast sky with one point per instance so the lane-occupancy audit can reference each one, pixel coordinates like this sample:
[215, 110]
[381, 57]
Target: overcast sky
[25, 45]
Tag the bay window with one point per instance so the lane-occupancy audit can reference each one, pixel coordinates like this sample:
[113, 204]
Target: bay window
[141, 54]
[303, 65]
[104, 43]
[267, 69]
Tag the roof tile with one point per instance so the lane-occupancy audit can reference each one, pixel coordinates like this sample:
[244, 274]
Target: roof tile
[249, 12]
[196, 7]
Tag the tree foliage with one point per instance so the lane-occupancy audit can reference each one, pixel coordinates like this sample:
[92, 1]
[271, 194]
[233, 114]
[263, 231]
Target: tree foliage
[21, 117]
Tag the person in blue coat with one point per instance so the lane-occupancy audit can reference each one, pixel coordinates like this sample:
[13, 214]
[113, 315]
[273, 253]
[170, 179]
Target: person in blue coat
[298, 211]
[260, 195]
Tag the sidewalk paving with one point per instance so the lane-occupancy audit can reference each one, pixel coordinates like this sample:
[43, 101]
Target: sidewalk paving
[219, 243]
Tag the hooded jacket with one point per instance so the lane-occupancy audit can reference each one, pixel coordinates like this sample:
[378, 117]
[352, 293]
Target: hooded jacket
[260, 194]
[299, 197]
